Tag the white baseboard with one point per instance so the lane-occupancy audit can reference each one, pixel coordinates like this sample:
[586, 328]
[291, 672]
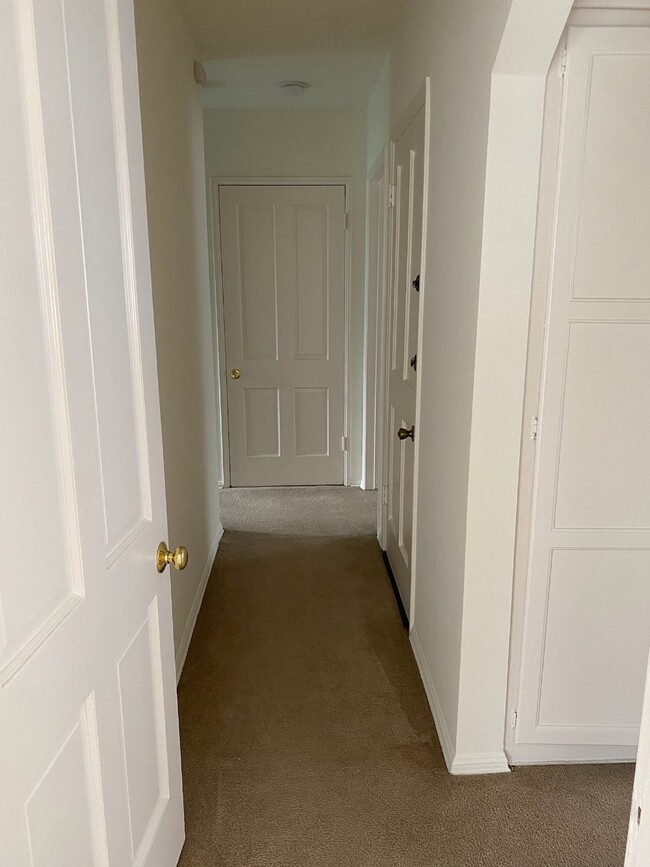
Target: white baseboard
[469, 763]
[446, 744]
[480, 763]
[184, 645]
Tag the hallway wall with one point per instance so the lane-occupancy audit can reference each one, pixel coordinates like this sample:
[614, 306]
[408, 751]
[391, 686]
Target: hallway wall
[456, 44]
[303, 143]
[172, 124]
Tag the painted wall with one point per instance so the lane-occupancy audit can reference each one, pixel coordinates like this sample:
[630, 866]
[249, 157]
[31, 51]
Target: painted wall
[304, 143]
[172, 123]
[479, 245]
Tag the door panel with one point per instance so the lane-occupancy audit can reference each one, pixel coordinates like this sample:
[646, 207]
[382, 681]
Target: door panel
[408, 174]
[89, 744]
[586, 632]
[283, 268]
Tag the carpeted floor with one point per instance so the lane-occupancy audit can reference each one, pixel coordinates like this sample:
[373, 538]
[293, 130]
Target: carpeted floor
[314, 511]
[307, 740]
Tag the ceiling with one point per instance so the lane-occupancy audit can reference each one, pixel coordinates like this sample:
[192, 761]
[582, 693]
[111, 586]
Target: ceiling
[250, 46]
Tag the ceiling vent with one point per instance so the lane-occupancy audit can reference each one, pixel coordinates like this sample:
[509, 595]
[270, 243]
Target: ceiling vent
[294, 88]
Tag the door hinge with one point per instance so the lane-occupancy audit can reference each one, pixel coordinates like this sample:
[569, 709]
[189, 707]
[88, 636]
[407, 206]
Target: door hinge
[534, 427]
[344, 444]
[562, 72]
[347, 220]
[514, 720]
[384, 494]
[391, 195]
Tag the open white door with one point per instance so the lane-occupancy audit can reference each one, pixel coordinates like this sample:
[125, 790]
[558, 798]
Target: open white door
[89, 748]
[638, 839]
[408, 173]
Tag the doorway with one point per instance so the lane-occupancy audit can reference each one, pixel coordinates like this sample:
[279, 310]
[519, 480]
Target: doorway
[282, 286]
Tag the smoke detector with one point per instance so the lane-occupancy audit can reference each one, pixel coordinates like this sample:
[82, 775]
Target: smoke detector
[294, 88]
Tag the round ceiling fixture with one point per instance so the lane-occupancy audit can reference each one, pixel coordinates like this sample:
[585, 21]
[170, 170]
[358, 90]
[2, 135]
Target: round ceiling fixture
[294, 88]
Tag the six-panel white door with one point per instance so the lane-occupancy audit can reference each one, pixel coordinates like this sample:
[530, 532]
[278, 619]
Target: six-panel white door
[89, 747]
[283, 271]
[586, 629]
[404, 299]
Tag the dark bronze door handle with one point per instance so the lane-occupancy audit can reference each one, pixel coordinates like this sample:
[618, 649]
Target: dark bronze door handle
[405, 434]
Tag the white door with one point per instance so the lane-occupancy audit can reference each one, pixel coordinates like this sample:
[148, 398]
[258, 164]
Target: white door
[89, 748]
[638, 839]
[408, 184]
[587, 620]
[283, 271]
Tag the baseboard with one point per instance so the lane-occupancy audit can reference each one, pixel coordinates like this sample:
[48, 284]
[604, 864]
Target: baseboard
[444, 737]
[571, 754]
[480, 763]
[184, 645]
[469, 763]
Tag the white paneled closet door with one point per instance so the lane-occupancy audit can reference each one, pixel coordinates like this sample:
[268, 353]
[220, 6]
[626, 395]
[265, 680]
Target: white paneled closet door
[283, 271]
[89, 746]
[587, 618]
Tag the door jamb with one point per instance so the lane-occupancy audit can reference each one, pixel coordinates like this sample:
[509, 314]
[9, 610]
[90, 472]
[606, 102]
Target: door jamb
[217, 290]
[374, 326]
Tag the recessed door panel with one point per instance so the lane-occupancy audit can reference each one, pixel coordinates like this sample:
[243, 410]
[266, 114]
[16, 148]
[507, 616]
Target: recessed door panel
[605, 424]
[258, 307]
[312, 421]
[102, 176]
[143, 732]
[596, 599]
[612, 255]
[312, 282]
[262, 422]
[63, 812]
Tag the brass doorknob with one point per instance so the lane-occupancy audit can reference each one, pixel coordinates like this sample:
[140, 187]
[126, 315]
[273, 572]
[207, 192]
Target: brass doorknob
[407, 433]
[234, 373]
[177, 558]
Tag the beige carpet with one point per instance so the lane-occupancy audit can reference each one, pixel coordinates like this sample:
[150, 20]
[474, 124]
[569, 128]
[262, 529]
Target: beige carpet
[307, 740]
[314, 511]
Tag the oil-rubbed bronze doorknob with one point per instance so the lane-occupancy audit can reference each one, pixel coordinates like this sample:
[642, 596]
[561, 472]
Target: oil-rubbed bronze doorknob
[177, 558]
[407, 433]
[234, 373]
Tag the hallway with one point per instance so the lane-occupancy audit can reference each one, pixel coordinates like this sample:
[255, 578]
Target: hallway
[306, 736]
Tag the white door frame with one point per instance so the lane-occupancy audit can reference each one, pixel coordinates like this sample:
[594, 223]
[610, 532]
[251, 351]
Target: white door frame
[421, 98]
[217, 289]
[374, 322]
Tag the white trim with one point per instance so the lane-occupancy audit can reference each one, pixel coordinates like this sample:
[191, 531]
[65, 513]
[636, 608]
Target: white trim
[374, 299]
[480, 763]
[611, 4]
[463, 763]
[184, 644]
[571, 754]
[446, 744]
[215, 183]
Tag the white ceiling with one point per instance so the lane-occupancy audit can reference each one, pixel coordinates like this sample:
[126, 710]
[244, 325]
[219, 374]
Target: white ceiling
[250, 46]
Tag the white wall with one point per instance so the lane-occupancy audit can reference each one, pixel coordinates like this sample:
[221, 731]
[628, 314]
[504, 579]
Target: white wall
[304, 143]
[172, 123]
[479, 242]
